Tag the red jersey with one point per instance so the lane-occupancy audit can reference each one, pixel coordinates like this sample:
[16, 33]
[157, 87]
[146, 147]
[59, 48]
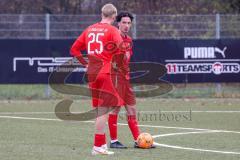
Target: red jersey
[128, 52]
[101, 41]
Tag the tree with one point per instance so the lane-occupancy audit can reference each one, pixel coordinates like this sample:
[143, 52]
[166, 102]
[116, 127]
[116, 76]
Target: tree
[135, 6]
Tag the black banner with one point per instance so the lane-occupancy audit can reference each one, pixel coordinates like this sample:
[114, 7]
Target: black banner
[32, 61]
[193, 60]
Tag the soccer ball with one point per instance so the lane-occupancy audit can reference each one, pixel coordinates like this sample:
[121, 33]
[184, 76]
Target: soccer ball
[145, 140]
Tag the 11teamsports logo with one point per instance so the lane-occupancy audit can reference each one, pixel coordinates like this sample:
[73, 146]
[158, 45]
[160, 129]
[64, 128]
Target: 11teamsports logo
[199, 60]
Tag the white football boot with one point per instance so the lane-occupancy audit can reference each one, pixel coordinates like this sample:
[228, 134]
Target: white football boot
[105, 146]
[101, 150]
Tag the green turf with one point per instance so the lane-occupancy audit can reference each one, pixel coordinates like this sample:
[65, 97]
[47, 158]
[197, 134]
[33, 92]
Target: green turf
[195, 90]
[23, 139]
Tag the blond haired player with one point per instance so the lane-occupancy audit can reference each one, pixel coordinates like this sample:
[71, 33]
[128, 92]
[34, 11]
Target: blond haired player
[94, 40]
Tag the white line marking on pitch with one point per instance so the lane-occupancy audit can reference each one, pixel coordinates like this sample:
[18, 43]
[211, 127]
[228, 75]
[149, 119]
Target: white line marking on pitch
[30, 118]
[184, 133]
[195, 149]
[122, 124]
[41, 119]
[16, 113]
[184, 128]
[190, 111]
[162, 145]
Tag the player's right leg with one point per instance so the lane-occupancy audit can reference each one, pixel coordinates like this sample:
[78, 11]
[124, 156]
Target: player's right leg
[112, 124]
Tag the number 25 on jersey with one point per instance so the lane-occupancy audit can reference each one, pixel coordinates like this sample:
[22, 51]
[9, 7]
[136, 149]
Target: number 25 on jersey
[95, 45]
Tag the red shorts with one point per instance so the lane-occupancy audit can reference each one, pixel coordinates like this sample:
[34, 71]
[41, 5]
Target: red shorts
[104, 93]
[125, 91]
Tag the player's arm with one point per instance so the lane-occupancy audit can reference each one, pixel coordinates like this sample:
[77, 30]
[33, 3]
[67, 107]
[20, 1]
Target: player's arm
[120, 53]
[78, 46]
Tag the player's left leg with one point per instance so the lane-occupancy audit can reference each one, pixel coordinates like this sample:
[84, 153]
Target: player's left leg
[106, 98]
[130, 106]
[100, 137]
[132, 121]
[112, 124]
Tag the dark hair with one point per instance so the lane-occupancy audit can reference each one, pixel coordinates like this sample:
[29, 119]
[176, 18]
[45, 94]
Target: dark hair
[124, 14]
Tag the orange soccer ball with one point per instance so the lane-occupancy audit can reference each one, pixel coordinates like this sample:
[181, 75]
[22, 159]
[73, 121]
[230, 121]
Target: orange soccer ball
[145, 140]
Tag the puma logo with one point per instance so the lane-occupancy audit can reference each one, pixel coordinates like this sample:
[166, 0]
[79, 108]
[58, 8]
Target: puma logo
[222, 52]
[203, 52]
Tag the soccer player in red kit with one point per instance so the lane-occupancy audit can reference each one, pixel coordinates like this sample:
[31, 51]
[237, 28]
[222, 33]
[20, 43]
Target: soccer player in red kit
[101, 40]
[124, 89]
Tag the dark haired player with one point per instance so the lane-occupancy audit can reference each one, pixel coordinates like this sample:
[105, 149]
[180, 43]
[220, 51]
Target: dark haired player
[124, 89]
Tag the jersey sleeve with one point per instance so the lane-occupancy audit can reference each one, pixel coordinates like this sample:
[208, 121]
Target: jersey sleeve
[117, 39]
[118, 57]
[78, 46]
[130, 46]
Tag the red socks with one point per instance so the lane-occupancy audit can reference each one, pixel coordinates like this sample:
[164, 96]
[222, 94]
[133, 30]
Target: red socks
[112, 124]
[133, 125]
[100, 139]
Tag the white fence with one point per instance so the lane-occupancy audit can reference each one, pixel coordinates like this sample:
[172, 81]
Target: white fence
[48, 26]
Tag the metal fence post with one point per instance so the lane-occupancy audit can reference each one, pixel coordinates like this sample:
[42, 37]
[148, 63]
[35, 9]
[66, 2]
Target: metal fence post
[47, 26]
[47, 37]
[47, 91]
[134, 27]
[218, 89]
[218, 36]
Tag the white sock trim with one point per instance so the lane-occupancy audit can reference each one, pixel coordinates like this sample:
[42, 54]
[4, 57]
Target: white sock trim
[113, 141]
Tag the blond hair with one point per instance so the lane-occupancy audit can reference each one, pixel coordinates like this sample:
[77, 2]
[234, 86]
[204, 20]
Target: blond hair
[108, 10]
